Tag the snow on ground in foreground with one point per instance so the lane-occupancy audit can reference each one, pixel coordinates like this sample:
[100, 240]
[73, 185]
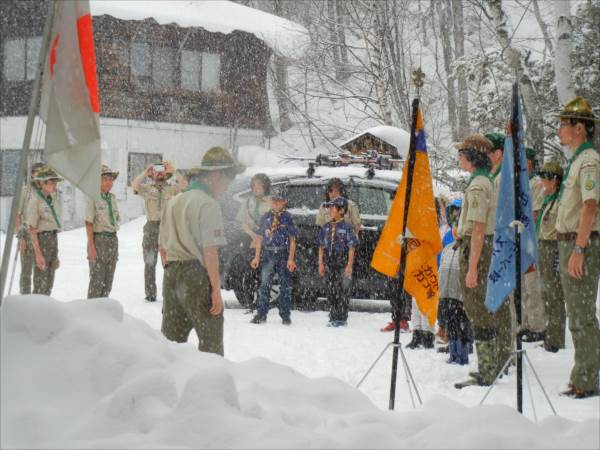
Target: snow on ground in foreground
[75, 371]
[83, 374]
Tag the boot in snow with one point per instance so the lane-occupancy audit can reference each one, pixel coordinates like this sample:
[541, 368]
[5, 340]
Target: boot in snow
[427, 339]
[417, 339]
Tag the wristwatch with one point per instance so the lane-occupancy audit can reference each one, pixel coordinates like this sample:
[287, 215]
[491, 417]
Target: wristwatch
[579, 250]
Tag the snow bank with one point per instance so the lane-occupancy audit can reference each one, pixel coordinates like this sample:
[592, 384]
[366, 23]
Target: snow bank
[283, 36]
[83, 374]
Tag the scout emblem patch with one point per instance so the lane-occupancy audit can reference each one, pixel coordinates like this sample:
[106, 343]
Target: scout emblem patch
[589, 184]
[475, 201]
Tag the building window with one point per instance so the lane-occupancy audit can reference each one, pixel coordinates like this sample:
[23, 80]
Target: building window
[200, 71]
[137, 163]
[21, 58]
[211, 67]
[9, 167]
[152, 66]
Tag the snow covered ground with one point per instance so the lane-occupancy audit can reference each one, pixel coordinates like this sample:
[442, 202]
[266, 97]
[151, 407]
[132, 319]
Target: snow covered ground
[84, 374]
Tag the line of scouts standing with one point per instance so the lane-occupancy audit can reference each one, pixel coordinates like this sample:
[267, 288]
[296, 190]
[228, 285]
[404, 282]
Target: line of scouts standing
[565, 205]
[190, 230]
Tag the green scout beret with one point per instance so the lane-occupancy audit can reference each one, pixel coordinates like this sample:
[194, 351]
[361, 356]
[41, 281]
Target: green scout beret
[497, 140]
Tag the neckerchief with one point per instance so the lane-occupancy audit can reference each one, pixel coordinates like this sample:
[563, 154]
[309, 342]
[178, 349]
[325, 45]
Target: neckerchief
[160, 195]
[548, 200]
[276, 221]
[49, 202]
[333, 225]
[496, 172]
[256, 215]
[581, 148]
[106, 197]
[478, 172]
[199, 185]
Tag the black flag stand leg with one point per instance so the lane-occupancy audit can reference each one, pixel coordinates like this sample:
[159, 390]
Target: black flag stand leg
[530, 364]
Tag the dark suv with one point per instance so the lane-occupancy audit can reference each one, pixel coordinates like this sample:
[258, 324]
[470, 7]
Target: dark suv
[372, 192]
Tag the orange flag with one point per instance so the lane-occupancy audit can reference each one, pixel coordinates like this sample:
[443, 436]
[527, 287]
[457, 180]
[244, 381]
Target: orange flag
[422, 233]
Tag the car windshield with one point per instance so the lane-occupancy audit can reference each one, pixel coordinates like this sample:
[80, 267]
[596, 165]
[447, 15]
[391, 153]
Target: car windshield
[371, 200]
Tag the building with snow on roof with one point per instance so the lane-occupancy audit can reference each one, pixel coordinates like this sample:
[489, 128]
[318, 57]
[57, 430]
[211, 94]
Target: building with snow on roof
[174, 78]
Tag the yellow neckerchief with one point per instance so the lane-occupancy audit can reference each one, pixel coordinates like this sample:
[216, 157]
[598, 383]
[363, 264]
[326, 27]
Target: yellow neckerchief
[276, 221]
[333, 225]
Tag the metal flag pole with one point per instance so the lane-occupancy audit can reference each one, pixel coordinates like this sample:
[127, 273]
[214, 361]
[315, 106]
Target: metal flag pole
[418, 76]
[516, 127]
[33, 109]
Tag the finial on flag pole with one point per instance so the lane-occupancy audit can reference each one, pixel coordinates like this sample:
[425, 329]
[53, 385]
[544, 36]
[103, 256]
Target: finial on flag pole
[418, 78]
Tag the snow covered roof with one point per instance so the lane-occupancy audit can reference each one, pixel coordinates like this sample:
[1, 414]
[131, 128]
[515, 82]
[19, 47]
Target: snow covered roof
[394, 136]
[285, 37]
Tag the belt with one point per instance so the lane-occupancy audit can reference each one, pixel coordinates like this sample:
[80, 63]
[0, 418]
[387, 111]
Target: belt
[47, 232]
[572, 236]
[183, 262]
[105, 233]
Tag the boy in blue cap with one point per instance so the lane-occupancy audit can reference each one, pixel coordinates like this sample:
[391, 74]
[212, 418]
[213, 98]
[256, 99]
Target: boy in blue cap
[278, 245]
[337, 243]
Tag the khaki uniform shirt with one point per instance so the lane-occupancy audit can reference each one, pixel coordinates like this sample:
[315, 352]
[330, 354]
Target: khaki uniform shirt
[249, 214]
[547, 229]
[190, 222]
[156, 197]
[39, 214]
[352, 215]
[537, 193]
[583, 183]
[477, 206]
[97, 213]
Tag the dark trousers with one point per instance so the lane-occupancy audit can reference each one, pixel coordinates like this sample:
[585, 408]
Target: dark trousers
[274, 261]
[457, 323]
[150, 252]
[337, 292]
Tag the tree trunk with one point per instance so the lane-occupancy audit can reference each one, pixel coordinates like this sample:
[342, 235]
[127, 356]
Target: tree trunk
[543, 27]
[444, 17]
[343, 74]
[514, 58]
[562, 60]
[281, 81]
[459, 51]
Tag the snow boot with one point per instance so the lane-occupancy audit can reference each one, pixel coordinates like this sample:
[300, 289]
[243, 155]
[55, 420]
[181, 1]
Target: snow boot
[427, 339]
[417, 339]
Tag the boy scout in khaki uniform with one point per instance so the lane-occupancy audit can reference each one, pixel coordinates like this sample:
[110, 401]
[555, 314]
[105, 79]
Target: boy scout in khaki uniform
[533, 309]
[156, 195]
[102, 222]
[25, 247]
[191, 232]
[578, 227]
[43, 221]
[552, 293]
[475, 234]
[505, 337]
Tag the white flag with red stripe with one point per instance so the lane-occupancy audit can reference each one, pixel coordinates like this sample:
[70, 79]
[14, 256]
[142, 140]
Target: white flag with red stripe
[69, 103]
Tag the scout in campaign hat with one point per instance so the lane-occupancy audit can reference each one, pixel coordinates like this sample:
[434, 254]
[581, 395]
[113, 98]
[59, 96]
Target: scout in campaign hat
[578, 109]
[105, 170]
[476, 142]
[217, 158]
[46, 173]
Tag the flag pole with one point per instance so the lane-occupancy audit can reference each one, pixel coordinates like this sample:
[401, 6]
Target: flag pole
[418, 76]
[516, 127]
[33, 109]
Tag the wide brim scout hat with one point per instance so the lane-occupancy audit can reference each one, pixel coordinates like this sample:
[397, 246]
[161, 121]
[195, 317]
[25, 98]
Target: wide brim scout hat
[217, 158]
[46, 173]
[578, 108]
[551, 169]
[530, 153]
[497, 140]
[476, 142]
[105, 170]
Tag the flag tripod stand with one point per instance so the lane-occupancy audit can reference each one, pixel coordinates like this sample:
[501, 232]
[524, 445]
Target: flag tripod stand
[410, 381]
[514, 354]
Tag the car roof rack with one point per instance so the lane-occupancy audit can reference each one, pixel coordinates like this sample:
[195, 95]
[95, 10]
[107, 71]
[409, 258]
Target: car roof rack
[371, 159]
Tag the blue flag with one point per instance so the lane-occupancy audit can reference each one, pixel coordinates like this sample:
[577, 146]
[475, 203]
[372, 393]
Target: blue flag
[501, 277]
